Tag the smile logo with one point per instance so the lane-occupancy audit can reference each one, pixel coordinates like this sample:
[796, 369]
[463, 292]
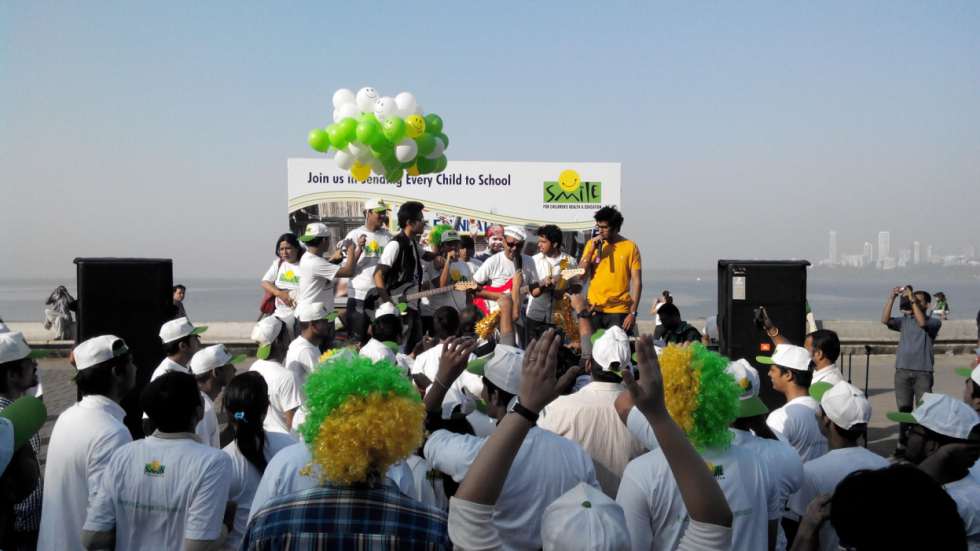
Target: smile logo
[569, 181]
[454, 274]
[372, 248]
[154, 468]
[718, 471]
[289, 277]
[571, 189]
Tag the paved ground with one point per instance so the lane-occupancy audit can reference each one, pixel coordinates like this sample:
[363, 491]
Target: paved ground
[59, 394]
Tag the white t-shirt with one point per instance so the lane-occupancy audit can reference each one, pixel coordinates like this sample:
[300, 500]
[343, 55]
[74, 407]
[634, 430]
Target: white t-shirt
[285, 277]
[282, 476]
[301, 359]
[316, 277]
[82, 442]
[157, 492]
[459, 272]
[375, 243]
[655, 511]
[796, 424]
[541, 307]
[546, 467]
[498, 270]
[428, 483]
[966, 493]
[208, 430]
[388, 259]
[427, 363]
[823, 474]
[283, 394]
[245, 478]
[830, 374]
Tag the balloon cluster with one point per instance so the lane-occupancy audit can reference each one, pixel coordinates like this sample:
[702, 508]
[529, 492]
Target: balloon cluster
[386, 136]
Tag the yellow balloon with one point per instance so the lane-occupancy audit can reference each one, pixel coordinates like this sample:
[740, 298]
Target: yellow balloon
[414, 126]
[414, 169]
[360, 172]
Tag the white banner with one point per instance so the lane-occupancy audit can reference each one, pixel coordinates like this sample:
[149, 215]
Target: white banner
[524, 194]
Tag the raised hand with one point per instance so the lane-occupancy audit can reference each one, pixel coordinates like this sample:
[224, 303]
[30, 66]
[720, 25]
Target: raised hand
[539, 386]
[648, 392]
[455, 356]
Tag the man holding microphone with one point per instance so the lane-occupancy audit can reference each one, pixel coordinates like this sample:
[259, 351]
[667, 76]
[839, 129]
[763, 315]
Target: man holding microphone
[616, 269]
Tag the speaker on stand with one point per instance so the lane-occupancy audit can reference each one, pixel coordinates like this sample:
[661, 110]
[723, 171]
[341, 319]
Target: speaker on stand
[129, 298]
[743, 286]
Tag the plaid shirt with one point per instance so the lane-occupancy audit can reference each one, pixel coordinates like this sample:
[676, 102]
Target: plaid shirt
[27, 513]
[340, 518]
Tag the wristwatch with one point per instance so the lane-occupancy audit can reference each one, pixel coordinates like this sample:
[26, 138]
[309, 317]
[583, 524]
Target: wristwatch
[634, 313]
[526, 413]
[584, 313]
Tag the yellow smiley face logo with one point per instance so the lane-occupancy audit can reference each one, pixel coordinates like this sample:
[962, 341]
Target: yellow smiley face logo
[569, 181]
[711, 466]
[414, 126]
[155, 465]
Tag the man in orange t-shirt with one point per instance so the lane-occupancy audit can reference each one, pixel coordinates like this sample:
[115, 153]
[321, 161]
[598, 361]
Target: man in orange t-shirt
[617, 281]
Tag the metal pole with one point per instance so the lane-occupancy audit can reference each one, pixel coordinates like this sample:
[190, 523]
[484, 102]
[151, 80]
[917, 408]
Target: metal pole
[867, 370]
[850, 361]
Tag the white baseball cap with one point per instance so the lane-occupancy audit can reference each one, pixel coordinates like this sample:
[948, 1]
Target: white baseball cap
[584, 518]
[502, 368]
[178, 329]
[942, 414]
[377, 351]
[212, 357]
[386, 309]
[265, 333]
[747, 380]
[516, 232]
[97, 350]
[315, 230]
[788, 356]
[967, 372]
[845, 404]
[375, 203]
[610, 346]
[13, 347]
[312, 312]
[449, 235]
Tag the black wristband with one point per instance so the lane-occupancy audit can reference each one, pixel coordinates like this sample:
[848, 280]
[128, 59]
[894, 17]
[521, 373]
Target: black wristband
[526, 413]
[584, 314]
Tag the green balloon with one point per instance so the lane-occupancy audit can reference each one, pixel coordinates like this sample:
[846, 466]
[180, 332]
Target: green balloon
[319, 140]
[433, 123]
[348, 129]
[395, 175]
[368, 132]
[370, 117]
[336, 140]
[426, 143]
[441, 163]
[390, 163]
[382, 148]
[445, 140]
[408, 165]
[394, 129]
[426, 166]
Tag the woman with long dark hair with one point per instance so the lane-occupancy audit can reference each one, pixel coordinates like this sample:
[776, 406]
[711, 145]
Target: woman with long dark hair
[246, 400]
[281, 280]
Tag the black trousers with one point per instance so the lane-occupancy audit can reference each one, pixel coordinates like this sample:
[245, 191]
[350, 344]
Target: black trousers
[603, 320]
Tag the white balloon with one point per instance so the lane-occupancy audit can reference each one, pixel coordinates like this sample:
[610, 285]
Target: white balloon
[343, 158]
[438, 151]
[366, 98]
[419, 111]
[341, 97]
[384, 108]
[349, 110]
[406, 150]
[357, 149]
[377, 167]
[406, 102]
[336, 116]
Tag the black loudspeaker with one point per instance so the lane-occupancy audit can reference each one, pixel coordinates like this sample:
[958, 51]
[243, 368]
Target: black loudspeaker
[743, 286]
[129, 298]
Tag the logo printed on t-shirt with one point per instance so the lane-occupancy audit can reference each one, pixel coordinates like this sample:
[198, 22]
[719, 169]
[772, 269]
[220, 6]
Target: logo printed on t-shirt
[154, 468]
[289, 277]
[373, 249]
[717, 470]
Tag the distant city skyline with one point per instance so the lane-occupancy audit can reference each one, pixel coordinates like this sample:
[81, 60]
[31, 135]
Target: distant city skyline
[906, 255]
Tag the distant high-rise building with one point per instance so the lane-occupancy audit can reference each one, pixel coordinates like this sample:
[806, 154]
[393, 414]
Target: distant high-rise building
[883, 245]
[855, 260]
[970, 252]
[833, 247]
[904, 257]
[915, 252]
[868, 253]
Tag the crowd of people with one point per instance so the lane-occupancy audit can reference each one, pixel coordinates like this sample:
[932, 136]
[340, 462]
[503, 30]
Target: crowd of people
[482, 401]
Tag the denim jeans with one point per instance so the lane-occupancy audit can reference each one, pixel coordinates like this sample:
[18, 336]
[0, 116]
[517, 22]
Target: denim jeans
[909, 387]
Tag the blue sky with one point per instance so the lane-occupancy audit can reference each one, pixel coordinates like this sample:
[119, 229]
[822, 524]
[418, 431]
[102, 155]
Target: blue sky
[745, 129]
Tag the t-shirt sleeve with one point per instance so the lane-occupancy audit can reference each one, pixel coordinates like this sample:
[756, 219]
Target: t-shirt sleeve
[633, 499]
[635, 262]
[452, 454]
[705, 537]
[895, 324]
[272, 273]
[471, 526]
[101, 515]
[207, 506]
[291, 398]
[774, 502]
[639, 427]
[325, 269]
[798, 501]
[482, 275]
[390, 253]
[777, 421]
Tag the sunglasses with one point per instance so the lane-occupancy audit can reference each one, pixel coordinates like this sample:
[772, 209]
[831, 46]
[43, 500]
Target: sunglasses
[511, 245]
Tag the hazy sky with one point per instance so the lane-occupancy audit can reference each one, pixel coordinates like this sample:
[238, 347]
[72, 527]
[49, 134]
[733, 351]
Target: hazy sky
[745, 129]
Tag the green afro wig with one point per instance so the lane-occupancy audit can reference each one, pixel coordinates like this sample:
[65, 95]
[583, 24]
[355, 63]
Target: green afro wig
[435, 236]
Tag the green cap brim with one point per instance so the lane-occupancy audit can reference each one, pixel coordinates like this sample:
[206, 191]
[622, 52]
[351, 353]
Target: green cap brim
[393, 346]
[963, 372]
[901, 417]
[28, 415]
[199, 330]
[481, 406]
[765, 360]
[477, 367]
[236, 359]
[307, 238]
[263, 352]
[332, 316]
[120, 351]
[751, 407]
[597, 335]
[817, 390]
[39, 354]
